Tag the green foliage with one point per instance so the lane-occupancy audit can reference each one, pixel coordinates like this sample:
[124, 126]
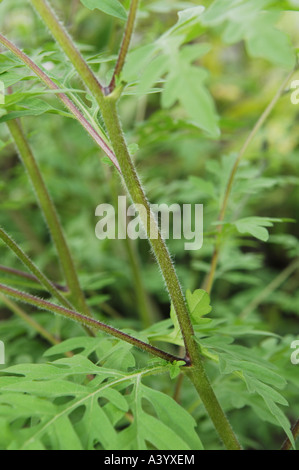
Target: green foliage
[185, 83]
[111, 7]
[195, 82]
[199, 304]
[69, 411]
[255, 226]
[250, 21]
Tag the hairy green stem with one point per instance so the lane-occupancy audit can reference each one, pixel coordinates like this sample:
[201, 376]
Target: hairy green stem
[86, 321]
[125, 43]
[50, 215]
[133, 257]
[210, 278]
[135, 190]
[110, 116]
[202, 384]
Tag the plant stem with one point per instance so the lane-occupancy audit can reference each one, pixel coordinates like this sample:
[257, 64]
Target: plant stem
[50, 215]
[202, 384]
[30, 277]
[125, 43]
[133, 257]
[45, 11]
[287, 445]
[65, 100]
[282, 277]
[33, 268]
[35, 325]
[86, 321]
[210, 278]
[135, 190]
[110, 116]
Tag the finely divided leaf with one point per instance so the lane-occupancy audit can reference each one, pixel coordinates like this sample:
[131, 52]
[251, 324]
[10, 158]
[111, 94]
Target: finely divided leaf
[255, 226]
[249, 21]
[173, 429]
[198, 303]
[111, 7]
[73, 404]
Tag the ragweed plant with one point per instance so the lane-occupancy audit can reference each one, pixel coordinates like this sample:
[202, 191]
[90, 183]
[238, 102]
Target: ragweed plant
[95, 391]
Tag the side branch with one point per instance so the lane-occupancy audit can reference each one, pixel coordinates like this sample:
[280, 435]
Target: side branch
[65, 100]
[125, 43]
[86, 321]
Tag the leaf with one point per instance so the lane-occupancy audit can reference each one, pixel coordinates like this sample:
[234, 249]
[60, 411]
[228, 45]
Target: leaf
[173, 430]
[137, 60]
[175, 368]
[41, 381]
[189, 14]
[152, 73]
[174, 416]
[248, 20]
[170, 332]
[282, 420]
[112, 353]
[259, 374]
[188, 24]
[255, 226]
[198, 303]
[176, 335]
[204, 186]
[266, 392]
[255, 370]
[111, 7]
[66, 411]
[186, 84]
[32, 107]
[168, 61]
[272, 45]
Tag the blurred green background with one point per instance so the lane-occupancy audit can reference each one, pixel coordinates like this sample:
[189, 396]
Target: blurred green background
[173, 158]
